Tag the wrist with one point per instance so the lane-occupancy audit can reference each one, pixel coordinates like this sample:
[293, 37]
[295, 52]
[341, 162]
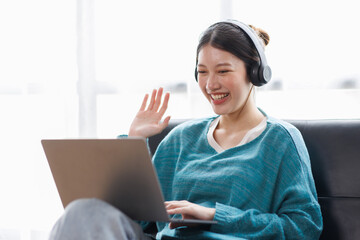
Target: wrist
[133, 133]
[212, 212]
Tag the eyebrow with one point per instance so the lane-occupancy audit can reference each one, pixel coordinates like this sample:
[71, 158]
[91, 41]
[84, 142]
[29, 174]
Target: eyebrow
[217, 65]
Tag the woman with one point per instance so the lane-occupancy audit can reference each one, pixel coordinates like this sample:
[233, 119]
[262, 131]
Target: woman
[249, 172]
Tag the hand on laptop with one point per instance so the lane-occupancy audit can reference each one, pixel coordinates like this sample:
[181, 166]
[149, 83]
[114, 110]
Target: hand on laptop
[188, 210]
[147, 121]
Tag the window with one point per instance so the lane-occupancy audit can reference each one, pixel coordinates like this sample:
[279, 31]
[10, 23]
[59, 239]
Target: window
[148, 49]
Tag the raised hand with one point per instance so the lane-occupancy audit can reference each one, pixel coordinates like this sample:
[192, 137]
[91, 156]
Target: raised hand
[188, 210]
[147, 121]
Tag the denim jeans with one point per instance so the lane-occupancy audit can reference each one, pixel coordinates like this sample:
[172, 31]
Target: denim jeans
[93, 219]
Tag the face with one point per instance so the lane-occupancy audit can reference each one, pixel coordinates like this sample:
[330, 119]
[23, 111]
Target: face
[223, 80]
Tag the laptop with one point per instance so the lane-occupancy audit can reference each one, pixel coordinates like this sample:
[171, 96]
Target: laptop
[118, 171]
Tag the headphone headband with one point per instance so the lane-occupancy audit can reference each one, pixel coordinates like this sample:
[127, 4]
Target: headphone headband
[254, 37]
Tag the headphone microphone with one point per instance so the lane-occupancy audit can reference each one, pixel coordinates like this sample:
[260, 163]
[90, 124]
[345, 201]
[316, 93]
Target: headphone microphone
[260, 73]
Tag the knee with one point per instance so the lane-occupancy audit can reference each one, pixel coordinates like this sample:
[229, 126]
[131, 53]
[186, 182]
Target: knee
[90, 208]
[82, 218]
[84, 204]
[85, 217]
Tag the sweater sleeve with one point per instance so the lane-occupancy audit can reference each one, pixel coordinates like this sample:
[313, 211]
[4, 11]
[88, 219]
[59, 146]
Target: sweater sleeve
[296, 214]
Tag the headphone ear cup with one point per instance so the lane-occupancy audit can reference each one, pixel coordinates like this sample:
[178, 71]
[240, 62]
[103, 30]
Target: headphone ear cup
[254, 74]
[265, 75]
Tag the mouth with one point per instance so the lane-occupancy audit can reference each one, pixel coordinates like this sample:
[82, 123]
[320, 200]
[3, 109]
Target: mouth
[219, 98]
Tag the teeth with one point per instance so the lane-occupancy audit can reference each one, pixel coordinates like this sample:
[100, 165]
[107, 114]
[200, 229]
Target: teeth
[219, 96]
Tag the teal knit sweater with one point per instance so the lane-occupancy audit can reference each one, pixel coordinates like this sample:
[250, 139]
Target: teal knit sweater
[261, 190]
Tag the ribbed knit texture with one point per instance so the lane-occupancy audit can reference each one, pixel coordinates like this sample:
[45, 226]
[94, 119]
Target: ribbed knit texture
[261, 190]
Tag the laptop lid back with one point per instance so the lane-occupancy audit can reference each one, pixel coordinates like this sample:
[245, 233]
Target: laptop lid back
[118, 171]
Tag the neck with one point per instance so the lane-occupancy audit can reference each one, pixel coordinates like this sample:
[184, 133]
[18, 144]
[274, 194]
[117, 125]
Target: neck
[248, 117]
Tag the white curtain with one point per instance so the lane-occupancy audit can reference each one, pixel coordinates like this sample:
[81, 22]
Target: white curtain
[38, 99]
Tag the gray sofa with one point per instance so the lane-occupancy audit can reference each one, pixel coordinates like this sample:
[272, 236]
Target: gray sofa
[334, 149]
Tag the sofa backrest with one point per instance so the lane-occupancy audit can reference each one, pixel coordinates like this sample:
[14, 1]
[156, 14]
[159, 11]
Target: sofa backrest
[334, 149]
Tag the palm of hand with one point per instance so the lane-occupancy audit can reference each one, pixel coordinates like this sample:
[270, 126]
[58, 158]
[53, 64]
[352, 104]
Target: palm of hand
[147, 121]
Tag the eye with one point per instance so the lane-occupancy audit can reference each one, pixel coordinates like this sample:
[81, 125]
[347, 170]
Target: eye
[223, 71]
[201, 71]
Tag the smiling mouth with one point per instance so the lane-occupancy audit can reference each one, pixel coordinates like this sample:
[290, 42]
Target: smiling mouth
[219, 96]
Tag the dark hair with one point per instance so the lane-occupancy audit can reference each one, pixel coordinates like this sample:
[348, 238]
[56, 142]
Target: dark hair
[231, 38]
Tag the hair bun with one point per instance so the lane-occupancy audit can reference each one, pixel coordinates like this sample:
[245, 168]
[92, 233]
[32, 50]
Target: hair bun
[262, 34]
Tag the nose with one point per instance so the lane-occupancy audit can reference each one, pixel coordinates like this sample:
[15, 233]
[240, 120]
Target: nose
[212, 83]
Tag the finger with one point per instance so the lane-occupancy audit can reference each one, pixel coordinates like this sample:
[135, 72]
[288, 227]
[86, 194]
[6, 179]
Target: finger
[165, 123]
[171, 206]
[165, 104]
[170, 202]
[175, 204]
[184, 210]
[158, 99]
[179, 210]
[143, 105]
[152, 100]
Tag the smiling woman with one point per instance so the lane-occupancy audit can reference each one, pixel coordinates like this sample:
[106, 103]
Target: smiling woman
[245, 171]
[139, 45]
